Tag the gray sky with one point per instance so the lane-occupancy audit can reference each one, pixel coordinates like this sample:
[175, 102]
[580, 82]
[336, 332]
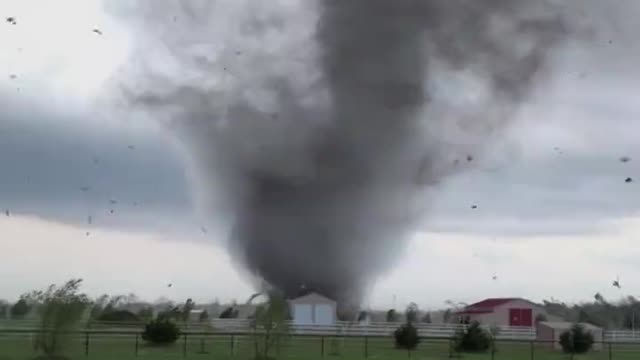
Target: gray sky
[554, 215]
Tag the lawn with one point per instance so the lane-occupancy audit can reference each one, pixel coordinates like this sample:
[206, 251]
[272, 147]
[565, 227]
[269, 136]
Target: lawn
[101, 347]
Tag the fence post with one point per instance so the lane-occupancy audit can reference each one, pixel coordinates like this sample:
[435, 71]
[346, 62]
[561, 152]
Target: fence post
[184, 346]
[493, 349]
[366, 347]
[232, 344]
[610, 352]
[137, 336]
[450, 348]
[322, 346]
[86, 343]
[531, 348]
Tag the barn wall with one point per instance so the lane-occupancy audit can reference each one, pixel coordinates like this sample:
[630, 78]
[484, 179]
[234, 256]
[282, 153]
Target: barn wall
[500, 316]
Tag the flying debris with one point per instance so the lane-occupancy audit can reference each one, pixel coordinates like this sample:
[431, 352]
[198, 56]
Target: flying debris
[7, 213]
[88, 233]
[616, 283]
[469, 158]
[89, 220]
[97, 31]
[131, 147]
[13, 76]
[12, 20]
[474, 206]
[495, 277]
[85, 188]
[203, 229]
[169, 285]
[628, 180]
[113, 202]
[625, 159]
[111, 211]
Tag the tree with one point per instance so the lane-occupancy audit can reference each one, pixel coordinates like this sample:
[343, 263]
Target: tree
[446, 316]
[204, 317]
[161, 332]
[146, 314]
[60, 309]
[540, 318]
[20, 309]
[122, 316]
[411, 313]
[472, 339]
[406, 336]
[392, 316]
[426, 318]
[576, 340]
[229, 313]
[362, 316]
[269, 325]
[98, 306]
[186, 309]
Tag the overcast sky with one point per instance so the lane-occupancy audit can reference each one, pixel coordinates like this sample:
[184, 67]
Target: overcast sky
[98, 194]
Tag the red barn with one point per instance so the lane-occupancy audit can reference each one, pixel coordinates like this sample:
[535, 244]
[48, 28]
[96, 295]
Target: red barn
[502, 312]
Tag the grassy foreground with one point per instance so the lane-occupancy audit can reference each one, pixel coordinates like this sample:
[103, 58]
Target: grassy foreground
[19, 347]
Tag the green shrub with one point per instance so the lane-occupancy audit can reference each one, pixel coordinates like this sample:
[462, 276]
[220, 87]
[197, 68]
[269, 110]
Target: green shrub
[406, 337]
[472, 339]
[576, 340]
[161, 332]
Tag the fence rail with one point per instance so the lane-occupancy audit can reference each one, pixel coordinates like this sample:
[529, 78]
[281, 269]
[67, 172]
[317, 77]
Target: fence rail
[376, 329]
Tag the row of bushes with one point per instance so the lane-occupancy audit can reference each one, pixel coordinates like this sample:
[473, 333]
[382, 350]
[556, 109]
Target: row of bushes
[474, 338]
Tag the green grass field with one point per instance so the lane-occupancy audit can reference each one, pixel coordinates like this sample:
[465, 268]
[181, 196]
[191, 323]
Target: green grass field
[102, 347]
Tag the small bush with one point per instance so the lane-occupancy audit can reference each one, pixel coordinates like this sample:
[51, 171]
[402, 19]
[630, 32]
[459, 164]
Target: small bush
[406, 337]
[161, 332]
[472, 339]
[576, 340]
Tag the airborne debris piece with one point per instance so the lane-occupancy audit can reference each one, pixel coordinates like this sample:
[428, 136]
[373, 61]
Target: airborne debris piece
[89, 220]
[131, 147]
[12, 20]
[97, 31]
[13, 76]
[616, 283]
[111, 211]
[169, 285]
[625, 159]
[628, 180]
[495, 277]
[113, 202]
[88, 233]
[474, 206]
[85, 188]
[469, 158]
[7, 212]
[203, 229]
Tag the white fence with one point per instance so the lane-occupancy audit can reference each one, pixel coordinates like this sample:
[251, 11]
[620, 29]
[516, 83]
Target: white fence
[373, 329]
[339, 329]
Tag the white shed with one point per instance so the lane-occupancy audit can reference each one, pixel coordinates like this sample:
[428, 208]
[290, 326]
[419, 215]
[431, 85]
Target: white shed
[550, 332]
[313, 309]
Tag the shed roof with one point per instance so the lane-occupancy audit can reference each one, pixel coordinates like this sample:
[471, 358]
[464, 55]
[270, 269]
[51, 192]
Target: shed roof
[312, 296]
[565, 325]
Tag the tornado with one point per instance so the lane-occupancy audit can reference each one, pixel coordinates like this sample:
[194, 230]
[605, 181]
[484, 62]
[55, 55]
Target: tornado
[316, 130]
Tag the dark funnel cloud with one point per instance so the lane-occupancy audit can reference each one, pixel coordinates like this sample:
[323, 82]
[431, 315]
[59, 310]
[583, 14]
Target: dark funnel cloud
[316, 129]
